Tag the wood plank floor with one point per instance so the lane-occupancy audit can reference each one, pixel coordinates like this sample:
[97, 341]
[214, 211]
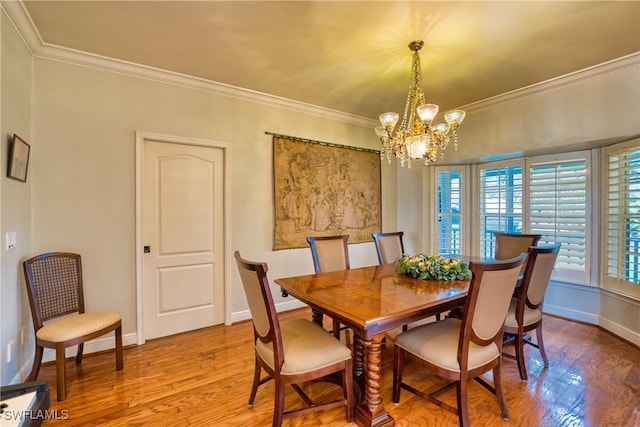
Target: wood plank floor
[203, 378]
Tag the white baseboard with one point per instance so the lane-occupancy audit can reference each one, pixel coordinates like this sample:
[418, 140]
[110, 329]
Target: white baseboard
[280, 307]
[581, 316]
[621, 331]
[614, 328]
[106, 342]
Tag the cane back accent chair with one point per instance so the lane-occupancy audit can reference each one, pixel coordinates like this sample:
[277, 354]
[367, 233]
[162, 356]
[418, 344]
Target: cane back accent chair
[55, 289]
[525, 311]
[462, 349]
[292, 352]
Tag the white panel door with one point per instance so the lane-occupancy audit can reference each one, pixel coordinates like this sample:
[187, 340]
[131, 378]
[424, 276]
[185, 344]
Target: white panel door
[182, 231]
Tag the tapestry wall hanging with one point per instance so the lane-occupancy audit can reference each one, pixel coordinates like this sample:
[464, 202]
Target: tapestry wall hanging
[323, 189]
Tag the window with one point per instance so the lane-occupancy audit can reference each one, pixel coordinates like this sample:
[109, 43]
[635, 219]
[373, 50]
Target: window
[449, 211]
[621, 231]
[500, 200]
[558, 195]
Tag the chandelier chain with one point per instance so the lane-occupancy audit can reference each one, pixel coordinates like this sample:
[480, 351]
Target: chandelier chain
[416, 138]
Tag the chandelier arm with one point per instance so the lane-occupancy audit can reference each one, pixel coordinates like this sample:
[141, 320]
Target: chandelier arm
[416, 138]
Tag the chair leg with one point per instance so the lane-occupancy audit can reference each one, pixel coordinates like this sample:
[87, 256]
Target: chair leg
[398, 364]
[278, 407]
[461, 396]
[37, 361]
[61, 373]
[541, 346]
[347, 382]
[336, 329]
[119, 361]
[519, 345]
[79, 354]
[256, 383]
[497, 383]
[316, 316]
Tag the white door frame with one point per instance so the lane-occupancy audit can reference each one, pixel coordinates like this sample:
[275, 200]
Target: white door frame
[226, 147]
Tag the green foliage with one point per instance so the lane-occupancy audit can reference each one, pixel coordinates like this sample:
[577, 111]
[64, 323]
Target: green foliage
[433, 267]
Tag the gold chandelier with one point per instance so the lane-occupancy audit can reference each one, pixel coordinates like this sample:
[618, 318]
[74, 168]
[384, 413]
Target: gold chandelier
[416, 138]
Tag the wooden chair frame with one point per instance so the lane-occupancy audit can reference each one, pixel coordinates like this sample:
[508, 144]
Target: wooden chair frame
[273, 337]
[40, 285]
[518, 334]
[523, 241]
[467, 336]
[379, 238]
[314, 243]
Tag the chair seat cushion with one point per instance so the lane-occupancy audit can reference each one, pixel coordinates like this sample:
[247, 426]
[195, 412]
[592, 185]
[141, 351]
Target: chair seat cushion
[437, 343]
[531, 316]
[66, 328]
[307, 347]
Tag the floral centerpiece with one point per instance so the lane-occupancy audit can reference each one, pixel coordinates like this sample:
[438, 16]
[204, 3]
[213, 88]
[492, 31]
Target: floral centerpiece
[433, 267]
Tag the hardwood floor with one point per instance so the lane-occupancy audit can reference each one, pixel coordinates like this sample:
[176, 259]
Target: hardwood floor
[203, 378]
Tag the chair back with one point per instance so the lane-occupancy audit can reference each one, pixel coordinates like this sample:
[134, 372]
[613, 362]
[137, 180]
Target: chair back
[266, 326]
[389, 246]
[490, 291]
[330, 253]
[540, 263]
[510, 245]
[54, 285]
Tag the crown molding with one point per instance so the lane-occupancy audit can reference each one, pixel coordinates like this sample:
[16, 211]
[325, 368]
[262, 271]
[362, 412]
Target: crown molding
[599, 70]
[23, 23]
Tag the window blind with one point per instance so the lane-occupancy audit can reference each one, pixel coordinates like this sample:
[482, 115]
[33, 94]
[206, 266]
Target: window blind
[500, 204]
[623, 215]
[558, 210]
[449, 212]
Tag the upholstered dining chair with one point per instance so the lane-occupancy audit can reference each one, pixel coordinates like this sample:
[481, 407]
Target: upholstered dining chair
[509, 245]
[329, 253]
[55, 289]
[525, 311]
[292, 352]
[459, 350]
[389, 246]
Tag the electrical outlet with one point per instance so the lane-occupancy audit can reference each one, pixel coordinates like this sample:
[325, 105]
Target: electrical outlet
[10, 240]
[10, 351]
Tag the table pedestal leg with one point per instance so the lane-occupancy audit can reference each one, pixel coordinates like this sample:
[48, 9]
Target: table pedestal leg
[370, 411]
[358, 360]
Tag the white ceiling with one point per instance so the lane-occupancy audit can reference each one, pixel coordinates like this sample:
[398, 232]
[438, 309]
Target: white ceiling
[351, 56]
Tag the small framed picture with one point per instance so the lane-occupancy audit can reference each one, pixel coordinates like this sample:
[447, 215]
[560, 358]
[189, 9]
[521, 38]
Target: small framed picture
[18, 159]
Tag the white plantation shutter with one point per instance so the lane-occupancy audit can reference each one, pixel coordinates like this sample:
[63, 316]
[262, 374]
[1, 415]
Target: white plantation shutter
[558, 195]
[450, 197]
[500, 203]
[622, 218]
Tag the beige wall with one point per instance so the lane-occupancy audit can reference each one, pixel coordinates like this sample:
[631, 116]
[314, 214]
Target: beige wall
[15, 198]
[84, 171]
[585, 109]
[81, 122]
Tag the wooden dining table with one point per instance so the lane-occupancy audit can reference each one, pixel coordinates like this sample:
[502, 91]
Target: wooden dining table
[372, 301]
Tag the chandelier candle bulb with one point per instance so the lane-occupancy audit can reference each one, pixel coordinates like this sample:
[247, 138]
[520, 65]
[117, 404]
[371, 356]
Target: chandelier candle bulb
[416, 138]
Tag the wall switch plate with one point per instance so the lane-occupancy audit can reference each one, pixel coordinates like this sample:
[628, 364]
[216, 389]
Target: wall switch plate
[10, 351]
[10, 240]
